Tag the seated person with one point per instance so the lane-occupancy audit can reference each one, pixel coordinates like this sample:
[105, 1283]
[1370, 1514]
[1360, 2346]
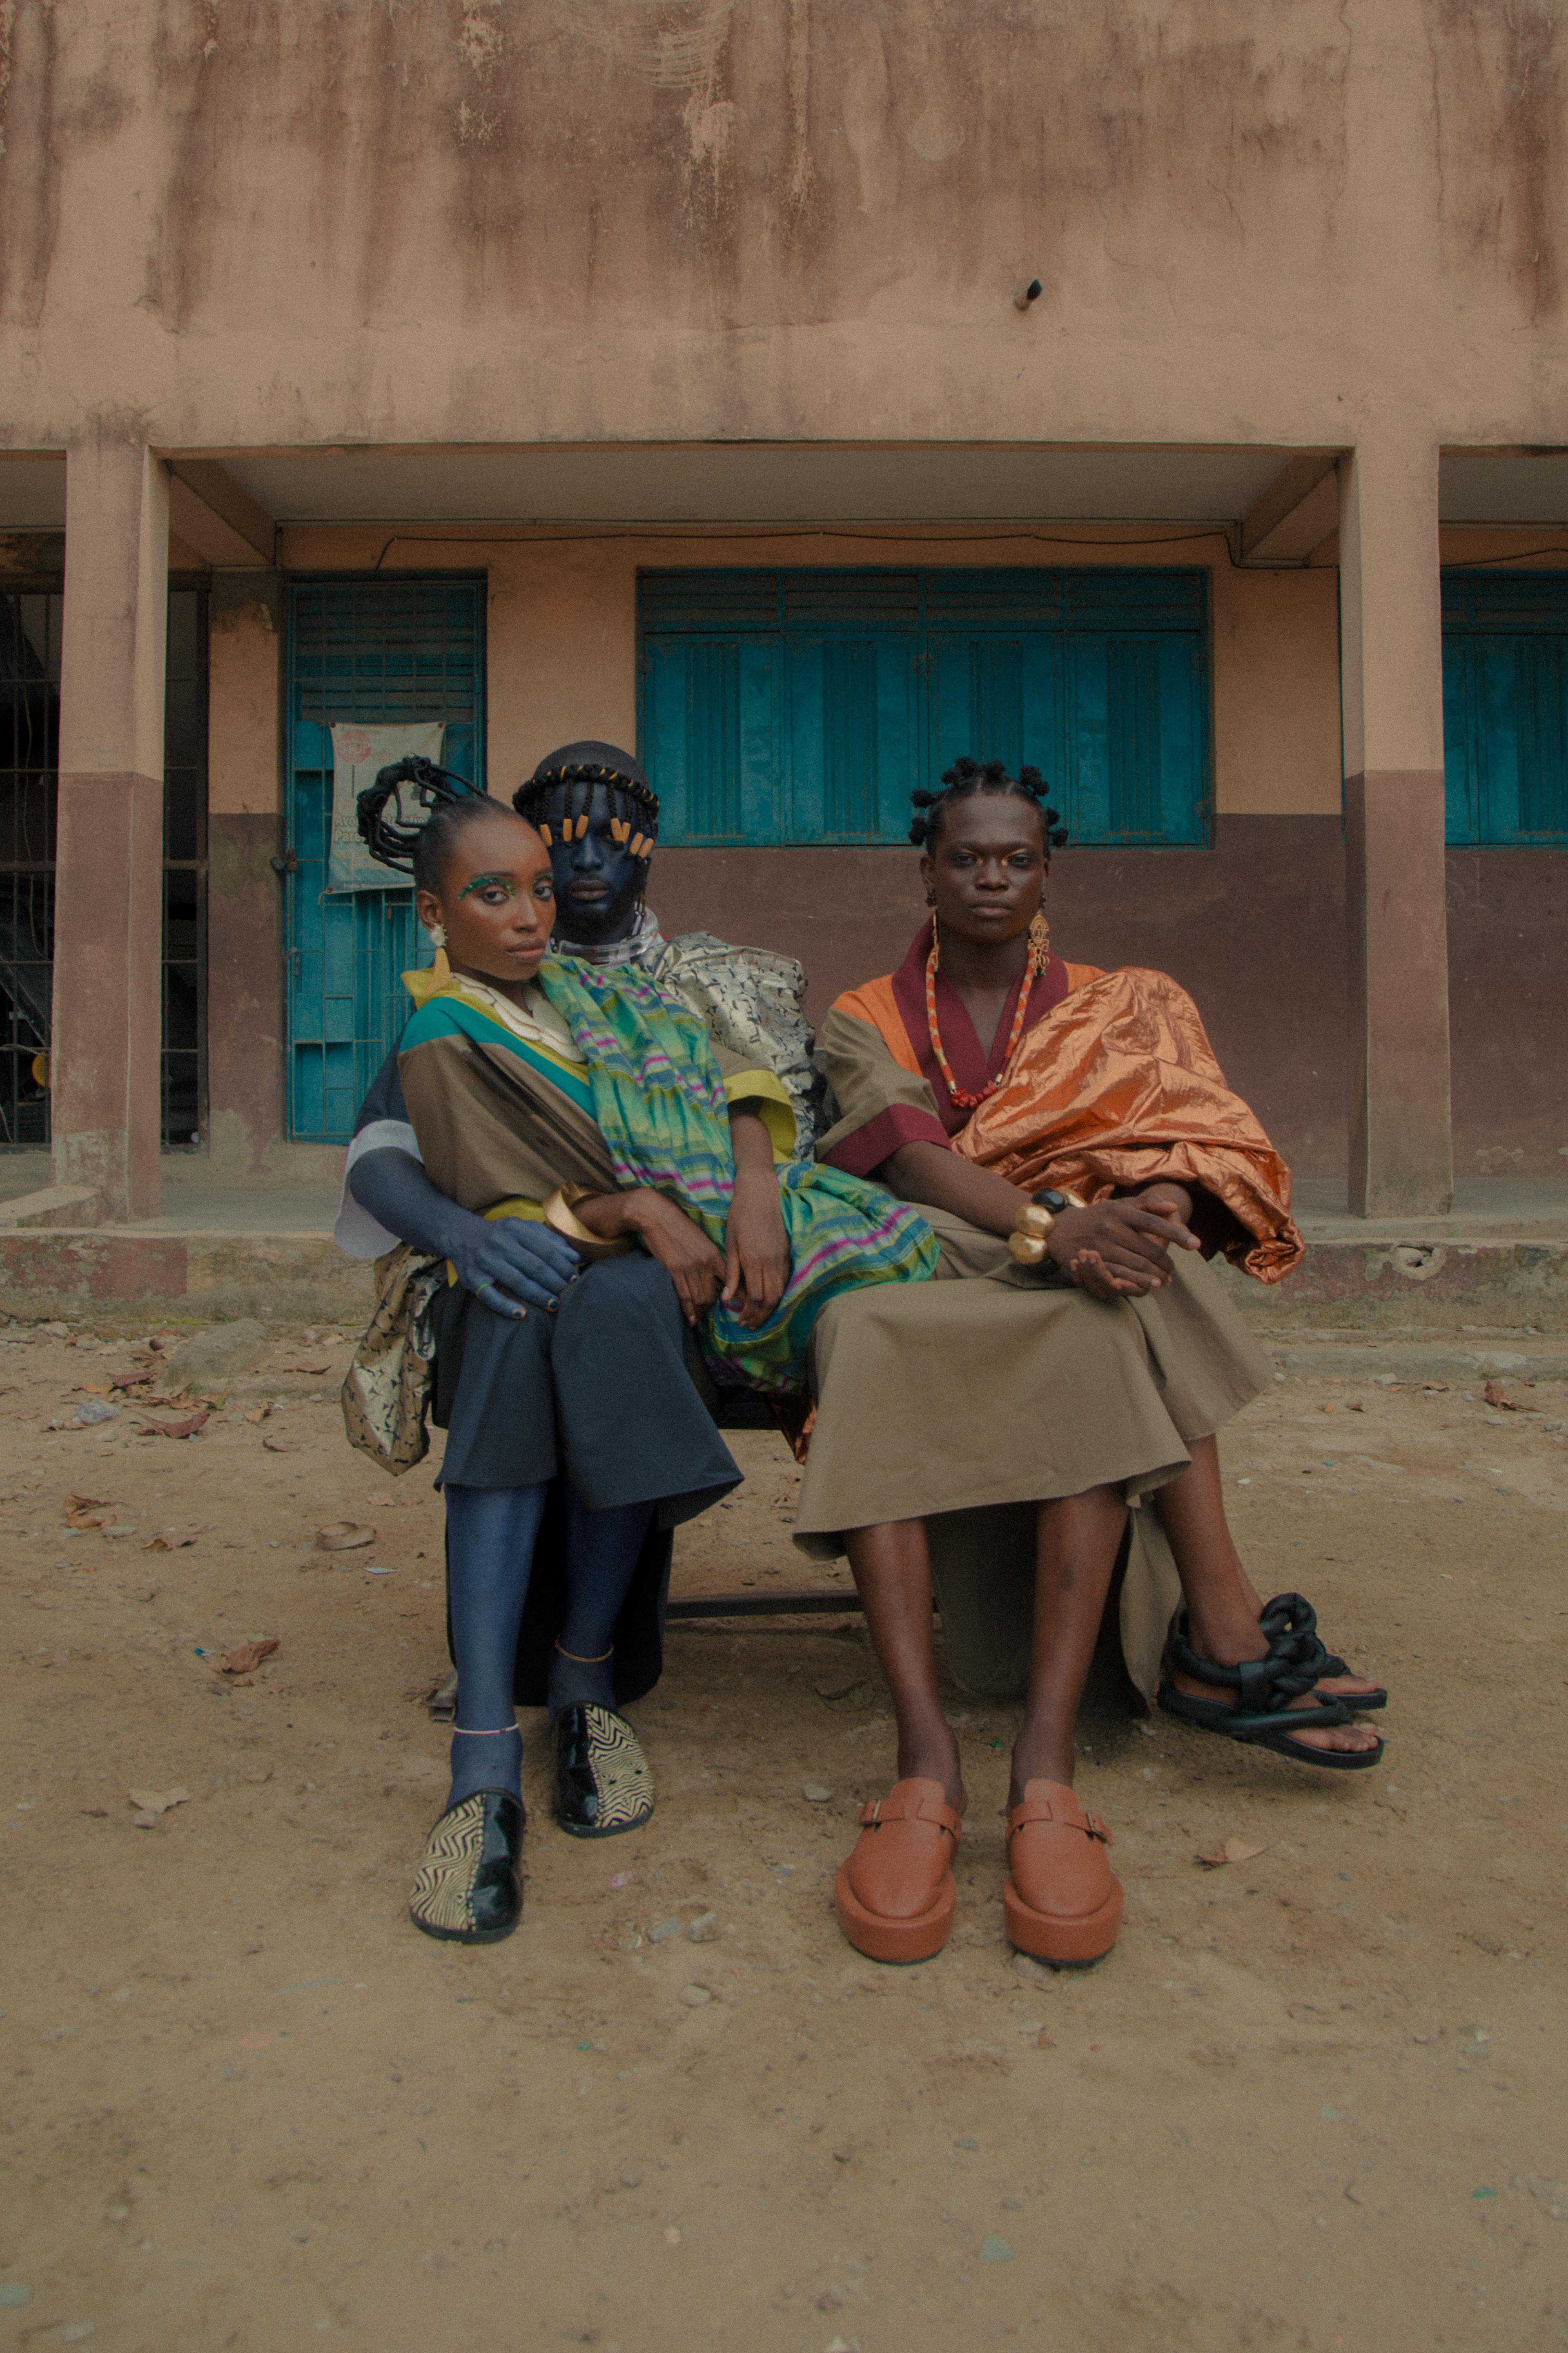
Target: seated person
[985, 1066]
[582, 1108]
[598, 817]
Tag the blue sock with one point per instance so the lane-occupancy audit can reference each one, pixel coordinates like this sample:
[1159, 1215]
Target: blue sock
[601, 1553]
[491, 1533]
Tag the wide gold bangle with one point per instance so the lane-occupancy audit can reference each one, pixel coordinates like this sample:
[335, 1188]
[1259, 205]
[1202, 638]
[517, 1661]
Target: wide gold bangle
[561, 1219]
[1032, 1230]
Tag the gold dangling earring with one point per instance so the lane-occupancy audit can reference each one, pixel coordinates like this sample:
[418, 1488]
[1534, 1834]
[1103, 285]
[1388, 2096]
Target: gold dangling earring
[441, 971]
[1040, 940]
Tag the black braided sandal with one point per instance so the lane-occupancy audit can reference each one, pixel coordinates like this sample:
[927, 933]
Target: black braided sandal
[1262, 1714]
[1359, 1703]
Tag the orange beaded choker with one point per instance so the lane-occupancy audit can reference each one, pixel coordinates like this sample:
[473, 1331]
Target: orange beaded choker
[1039, 956]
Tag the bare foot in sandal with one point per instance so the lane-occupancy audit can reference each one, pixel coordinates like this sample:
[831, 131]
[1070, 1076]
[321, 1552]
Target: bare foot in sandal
[1358, 1691]
[1226, 1648]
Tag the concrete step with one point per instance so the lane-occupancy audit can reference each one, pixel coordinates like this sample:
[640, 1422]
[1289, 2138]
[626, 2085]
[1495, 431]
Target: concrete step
[117, 1274]
[1460, 1359]
[207, 1273]
[1391, 1286]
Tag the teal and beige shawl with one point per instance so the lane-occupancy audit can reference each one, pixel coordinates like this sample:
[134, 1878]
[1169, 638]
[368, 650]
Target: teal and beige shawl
[503, 1114]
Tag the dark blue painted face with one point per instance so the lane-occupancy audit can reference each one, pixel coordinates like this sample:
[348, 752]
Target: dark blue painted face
[598, 882]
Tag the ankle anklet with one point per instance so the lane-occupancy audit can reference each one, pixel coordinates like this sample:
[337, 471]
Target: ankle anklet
[579, 1661]
[489, 1731]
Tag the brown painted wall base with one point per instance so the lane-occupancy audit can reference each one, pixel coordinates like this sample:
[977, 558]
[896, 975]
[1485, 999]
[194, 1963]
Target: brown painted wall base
[1507, 1005]
[1253, 927]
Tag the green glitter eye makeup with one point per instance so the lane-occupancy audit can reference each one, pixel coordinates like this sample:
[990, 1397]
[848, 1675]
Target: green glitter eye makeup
[488, 882]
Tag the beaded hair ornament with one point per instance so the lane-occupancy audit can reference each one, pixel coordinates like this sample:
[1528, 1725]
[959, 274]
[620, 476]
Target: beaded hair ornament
[531, 800]
[391, 838]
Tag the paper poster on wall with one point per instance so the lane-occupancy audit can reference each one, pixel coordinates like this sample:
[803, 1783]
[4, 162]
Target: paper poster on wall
[358, 752]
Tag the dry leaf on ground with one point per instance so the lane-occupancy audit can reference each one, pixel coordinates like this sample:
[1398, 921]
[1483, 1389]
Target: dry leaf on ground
[248, 1656]
[304, 1368]
[344, 1536]
[1494, 1397]
[90, 1512]
[172, 1540]
[282, 1445]
[156, 1802]
[186, 1426]
[1235, 1850]
[130, 1380]
[259, 1412]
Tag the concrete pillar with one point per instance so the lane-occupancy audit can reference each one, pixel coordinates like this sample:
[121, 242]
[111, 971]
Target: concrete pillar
[1401, 1146]
[245, 898]
[108, 882]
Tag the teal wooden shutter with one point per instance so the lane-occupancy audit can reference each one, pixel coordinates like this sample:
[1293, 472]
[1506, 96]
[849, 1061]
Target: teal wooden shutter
[850, 641]
[380, 651]
[804, 706]
[710, 694]
[993, 668]
[1505, 707]
[1135, 727]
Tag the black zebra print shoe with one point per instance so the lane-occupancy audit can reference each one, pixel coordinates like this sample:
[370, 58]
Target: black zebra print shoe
[468, 1889]
[603, 1785]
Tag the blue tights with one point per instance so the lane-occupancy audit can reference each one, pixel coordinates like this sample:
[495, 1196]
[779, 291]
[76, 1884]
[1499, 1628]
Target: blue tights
[601, 1551]
[491, 1535]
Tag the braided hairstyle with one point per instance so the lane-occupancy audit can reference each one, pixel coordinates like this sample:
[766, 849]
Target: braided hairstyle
[416, 846]
[966, 778]
[558, 796]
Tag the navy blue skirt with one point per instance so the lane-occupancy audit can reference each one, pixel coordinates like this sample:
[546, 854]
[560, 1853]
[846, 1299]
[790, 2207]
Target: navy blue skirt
[598, 1395]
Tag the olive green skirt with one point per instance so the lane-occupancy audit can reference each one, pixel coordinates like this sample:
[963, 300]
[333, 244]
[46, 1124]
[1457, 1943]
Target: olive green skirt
[961, 1400]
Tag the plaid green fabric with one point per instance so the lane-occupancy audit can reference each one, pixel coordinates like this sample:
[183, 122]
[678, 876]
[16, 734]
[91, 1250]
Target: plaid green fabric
[659, 1102]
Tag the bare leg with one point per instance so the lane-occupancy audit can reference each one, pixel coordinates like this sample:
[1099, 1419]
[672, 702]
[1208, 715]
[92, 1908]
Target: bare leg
[1077, 1541]
[1222, 1607]
[892, 1576]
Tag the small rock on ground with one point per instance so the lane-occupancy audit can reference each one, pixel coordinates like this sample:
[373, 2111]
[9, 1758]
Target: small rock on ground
[222, 1349]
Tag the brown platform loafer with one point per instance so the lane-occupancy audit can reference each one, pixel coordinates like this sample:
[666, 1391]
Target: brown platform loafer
[896, 1894]
[1062, 1900]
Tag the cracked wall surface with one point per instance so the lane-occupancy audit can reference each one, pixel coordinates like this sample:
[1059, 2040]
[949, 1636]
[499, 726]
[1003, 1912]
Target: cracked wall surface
[298, 220]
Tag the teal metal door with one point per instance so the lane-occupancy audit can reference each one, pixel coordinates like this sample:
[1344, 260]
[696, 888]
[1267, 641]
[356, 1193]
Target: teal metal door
[806, 706]
[382, 652]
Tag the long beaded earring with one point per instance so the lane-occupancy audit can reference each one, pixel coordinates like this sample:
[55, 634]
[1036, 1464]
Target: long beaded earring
[1040, 940]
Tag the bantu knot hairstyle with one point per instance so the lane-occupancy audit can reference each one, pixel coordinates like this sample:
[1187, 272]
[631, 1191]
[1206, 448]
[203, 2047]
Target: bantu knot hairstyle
[558, 796]
[966, 778]
[409, 844]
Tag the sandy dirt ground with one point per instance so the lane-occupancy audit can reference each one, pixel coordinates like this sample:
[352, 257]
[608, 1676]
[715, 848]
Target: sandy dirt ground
[1315, 2099]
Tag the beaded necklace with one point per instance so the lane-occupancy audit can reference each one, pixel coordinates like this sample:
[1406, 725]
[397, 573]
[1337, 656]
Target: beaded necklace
[1040, 955]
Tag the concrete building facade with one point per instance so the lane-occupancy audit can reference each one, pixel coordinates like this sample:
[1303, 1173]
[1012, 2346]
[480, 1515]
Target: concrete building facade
[1173, 394]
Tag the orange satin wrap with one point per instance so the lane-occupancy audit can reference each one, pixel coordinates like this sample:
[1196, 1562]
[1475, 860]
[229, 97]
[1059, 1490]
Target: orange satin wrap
[1118, 1086]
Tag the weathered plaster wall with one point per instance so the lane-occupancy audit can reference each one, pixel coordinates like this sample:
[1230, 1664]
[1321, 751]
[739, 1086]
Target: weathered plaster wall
[254, 221]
